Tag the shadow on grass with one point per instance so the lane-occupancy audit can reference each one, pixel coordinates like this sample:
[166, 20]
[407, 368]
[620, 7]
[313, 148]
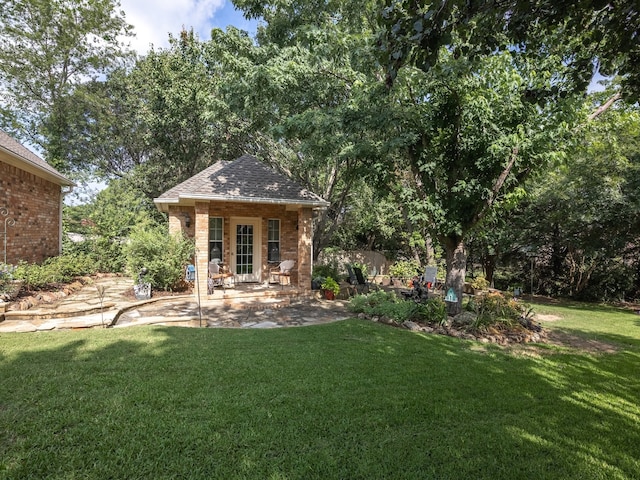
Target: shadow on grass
[345, 400]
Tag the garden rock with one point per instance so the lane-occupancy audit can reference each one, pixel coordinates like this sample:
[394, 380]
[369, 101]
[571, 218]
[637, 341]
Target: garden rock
[413, 326]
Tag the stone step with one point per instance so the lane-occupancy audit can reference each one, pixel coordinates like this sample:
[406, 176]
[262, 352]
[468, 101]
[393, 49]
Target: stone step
[48, 314]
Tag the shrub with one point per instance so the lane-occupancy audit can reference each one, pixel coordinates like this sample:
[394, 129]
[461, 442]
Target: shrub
[324, 271]
[163, 255]
[433, 311]
[496, 310]
[6, 278]
[404, 269]
[480, 283]
[385, 304]
[55, 270]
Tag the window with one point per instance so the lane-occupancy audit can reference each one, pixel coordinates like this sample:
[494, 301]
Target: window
[274, 241]
[215, 238]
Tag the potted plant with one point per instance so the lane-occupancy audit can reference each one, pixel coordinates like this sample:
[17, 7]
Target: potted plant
[330, 288]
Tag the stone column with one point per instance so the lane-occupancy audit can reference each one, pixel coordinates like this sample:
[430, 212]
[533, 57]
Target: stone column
[305, 238]
[202, 246]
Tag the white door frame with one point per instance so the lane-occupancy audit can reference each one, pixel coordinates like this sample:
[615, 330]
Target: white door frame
[256, 222]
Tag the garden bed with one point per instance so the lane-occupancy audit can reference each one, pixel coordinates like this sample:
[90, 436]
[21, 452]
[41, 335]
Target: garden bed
[453, 328]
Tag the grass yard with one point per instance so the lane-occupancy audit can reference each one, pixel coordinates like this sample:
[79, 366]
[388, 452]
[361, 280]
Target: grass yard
[350, 400]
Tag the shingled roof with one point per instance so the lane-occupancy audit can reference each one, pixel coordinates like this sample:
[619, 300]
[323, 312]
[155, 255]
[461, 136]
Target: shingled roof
[25, 159]
[244, 179]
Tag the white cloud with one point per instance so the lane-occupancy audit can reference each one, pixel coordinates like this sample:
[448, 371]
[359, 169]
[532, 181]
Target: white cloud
[153, 20]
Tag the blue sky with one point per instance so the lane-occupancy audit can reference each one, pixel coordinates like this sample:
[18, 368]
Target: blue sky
[153, 20]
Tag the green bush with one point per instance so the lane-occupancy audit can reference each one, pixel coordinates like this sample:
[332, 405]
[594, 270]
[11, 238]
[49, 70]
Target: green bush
[54, 270]
[495, 310]
[480, 283]
[433, 311]
[6, 277]
[163, 255]
[383, 304]
[324, 271]
[404, 269]
[388, 304]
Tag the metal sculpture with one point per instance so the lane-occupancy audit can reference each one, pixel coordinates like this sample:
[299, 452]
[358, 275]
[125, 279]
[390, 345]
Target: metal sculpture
[8, 222]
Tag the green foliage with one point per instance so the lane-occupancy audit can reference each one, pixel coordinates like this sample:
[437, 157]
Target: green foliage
[6, 277]
[163, 255]
[107, 222]
[577, 34]
[331, 285]
[364, 268]
[579, 218]
[480, 283]
[433, 311]
[55, 270]
[495, 310]
[45, 49]
[388, 304]
[404, 269]
[325, 270]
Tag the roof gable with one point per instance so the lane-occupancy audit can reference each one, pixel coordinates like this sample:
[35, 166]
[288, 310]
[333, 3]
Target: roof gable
[29, 161]
[244, 179]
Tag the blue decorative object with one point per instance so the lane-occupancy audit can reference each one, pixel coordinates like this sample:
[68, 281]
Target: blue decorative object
[451, 296]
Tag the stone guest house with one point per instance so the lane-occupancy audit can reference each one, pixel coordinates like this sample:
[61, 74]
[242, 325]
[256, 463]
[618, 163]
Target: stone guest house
[248, 216]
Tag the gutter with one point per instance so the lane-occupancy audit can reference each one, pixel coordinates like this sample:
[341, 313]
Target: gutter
[273, 201]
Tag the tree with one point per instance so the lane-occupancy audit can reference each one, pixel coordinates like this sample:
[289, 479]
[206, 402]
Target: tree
[581, 217]
[46, 49]
[469, 134]
[498, 95]
[317, 84]
[591, 36]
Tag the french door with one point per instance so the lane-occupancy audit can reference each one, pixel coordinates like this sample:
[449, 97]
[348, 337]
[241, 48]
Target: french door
[246, 249]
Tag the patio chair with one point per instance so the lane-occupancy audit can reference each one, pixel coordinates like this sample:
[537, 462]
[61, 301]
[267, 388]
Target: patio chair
[362, 284]
[282, 272]
[354, 287]
[217, 277]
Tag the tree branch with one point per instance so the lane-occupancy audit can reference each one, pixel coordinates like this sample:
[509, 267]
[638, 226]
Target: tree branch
[605, 106]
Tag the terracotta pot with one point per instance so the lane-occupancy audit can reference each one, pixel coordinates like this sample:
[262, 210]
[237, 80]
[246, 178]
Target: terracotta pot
[329, 295]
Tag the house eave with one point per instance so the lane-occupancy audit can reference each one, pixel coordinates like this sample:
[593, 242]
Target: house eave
[163, 203]
[16, 160]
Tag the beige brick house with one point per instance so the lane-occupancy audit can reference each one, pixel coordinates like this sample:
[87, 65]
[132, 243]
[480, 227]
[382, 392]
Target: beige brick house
[31, 194]
[249, 216]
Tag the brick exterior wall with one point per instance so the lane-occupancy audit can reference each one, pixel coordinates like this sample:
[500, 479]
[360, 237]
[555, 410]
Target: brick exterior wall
[34, 203]
[295, 234]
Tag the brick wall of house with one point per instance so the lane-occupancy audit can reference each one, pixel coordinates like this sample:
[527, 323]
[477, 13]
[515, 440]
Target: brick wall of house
[34, 203]
[295, 233]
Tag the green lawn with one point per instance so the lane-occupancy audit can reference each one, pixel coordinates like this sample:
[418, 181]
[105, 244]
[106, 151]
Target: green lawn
[341, 401]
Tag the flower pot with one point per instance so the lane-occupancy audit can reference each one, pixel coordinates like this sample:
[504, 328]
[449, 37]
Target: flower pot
[329, 295]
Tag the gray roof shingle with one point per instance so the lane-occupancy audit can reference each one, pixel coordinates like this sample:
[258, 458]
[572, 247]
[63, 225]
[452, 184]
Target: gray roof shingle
[244, 179]
[17, 150]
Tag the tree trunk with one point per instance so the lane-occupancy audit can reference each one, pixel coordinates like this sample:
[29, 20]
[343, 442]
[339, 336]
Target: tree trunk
[489, 265]
[456, 270]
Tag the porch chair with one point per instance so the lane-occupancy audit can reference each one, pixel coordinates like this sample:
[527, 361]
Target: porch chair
[282, 272]
[217, 277]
